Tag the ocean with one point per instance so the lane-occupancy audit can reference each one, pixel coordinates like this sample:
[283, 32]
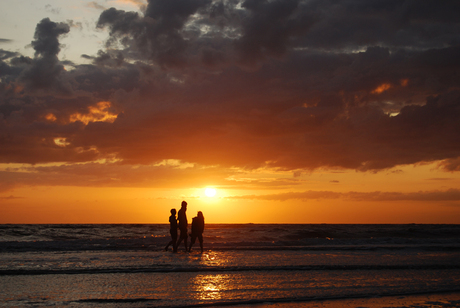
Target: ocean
[243, 265]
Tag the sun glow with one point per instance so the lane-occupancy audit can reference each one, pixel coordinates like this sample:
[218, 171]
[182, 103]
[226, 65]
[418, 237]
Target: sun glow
[210, 192]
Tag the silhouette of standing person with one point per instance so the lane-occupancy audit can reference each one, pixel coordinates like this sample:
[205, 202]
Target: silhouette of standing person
[197, 230]
[182, 216]
[172, 229]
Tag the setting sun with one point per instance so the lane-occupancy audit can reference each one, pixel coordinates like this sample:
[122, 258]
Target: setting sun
[210, 192]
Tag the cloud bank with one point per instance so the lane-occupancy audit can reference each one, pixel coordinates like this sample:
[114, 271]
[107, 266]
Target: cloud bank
[289, 84]
[425, 196]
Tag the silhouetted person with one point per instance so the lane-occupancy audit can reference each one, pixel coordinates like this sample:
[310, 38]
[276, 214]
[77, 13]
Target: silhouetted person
[197, 230]
[182, 216]
[172, 229]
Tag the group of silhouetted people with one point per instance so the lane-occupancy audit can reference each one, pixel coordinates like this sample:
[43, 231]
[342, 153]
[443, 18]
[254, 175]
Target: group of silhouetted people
[181, 223]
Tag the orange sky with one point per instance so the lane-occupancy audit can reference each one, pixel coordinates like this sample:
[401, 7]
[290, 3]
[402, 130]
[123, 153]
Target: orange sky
[412, 194]
[117, 114]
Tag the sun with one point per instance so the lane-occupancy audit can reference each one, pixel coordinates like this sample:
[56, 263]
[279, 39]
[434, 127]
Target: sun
[210, 192]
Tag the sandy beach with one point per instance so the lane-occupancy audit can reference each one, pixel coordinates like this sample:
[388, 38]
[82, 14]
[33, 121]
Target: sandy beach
[439, 300]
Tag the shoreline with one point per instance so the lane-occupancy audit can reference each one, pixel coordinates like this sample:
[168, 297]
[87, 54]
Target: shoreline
[438, 300]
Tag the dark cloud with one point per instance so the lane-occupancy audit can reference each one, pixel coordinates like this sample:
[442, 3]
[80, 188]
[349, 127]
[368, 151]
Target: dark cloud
[159, 34]
[4, 54]
[294, 85]
[104, 58]
[411, 24]
[269, 26]
[46, 73]
[452, 164]
[46, 43]
[173, 33]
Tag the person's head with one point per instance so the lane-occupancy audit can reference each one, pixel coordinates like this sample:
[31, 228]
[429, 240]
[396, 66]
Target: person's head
[173, 211]
[184, 204]
[200, 215]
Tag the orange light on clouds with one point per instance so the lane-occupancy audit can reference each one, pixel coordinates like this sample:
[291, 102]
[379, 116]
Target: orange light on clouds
[16, 88]
[61, 142]
[98, 113]
[382, 88]
[50, 117]
[404, 82]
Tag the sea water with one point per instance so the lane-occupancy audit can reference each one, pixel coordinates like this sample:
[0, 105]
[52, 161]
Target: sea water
[243, 264]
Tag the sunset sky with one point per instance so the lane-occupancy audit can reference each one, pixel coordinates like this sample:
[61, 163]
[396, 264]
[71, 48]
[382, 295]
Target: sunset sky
[294, 111]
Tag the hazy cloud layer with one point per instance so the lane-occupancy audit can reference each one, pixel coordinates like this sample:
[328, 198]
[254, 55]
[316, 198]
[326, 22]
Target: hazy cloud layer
[289, 84]
[424, 196]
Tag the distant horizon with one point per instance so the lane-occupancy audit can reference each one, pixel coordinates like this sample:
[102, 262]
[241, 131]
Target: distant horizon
[218, 223]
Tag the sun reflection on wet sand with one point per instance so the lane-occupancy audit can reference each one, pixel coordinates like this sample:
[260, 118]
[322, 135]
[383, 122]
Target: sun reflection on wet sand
[210, 287]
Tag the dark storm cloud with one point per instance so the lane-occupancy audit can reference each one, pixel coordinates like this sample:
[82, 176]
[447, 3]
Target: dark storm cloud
[269, 26]
[46, 72]
[157, 34]
[46, 43]
[412, 24]
[104, 58]
[365, 85]
[173, 33]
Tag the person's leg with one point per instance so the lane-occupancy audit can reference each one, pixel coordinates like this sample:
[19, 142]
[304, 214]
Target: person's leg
[185, 244]
[178, 242]
[192, 241]
[172, 241]
[167, 246]
[200, 238]
[183, 236]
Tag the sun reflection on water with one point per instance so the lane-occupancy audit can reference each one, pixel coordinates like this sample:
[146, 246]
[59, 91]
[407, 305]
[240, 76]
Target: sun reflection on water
[210, 287]
[213, 258]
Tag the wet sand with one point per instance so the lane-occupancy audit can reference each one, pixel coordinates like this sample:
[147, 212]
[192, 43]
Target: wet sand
[440, 300]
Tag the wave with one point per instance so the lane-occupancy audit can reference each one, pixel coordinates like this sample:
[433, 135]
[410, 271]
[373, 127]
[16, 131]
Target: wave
[279, 300]
[157, 244]
[239, 232]
[213, 269]
[322, 299]
[221, 237]
[115, 300]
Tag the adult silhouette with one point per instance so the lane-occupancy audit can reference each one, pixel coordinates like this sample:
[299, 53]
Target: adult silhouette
[182, 216]
[197, 230]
